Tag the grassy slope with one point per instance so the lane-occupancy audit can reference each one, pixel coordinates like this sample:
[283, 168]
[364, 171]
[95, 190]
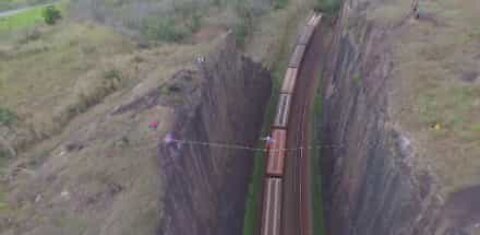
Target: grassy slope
[77, 48]
[31, 82]
[44, 94]
[431, 101]
[66, 64]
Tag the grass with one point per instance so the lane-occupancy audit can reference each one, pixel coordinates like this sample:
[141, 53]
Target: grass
[46, 80]
[432, 102]
[317, 201]
[7, 117]
[21, 20]
[119, 151]
[280, 4]
[357, 79]
[6, 5]
[328, 7]
[26, 20]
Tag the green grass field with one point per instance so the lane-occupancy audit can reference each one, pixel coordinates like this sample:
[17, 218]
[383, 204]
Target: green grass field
[25, 19]
[437, 96]
[21, 20]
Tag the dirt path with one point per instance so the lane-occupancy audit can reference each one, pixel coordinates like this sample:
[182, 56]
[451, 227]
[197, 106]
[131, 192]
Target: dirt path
[297, 214]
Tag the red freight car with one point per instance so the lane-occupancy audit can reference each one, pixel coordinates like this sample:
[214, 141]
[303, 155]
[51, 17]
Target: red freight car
[276, 153]
[283, 111]
[272, 199]
[289, 81]
[297, 56]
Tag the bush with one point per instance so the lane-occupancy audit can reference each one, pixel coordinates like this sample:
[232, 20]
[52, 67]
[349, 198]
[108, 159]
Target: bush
[7, 117]
[163, 29]
[195, 22]
[329, 7]
[112, 75]
[51, 15]
[246, 23]
[280, 4]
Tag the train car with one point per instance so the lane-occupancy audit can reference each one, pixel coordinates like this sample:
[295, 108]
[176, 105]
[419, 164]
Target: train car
[289, 81]
[272, 199]
[305, 35]
[283, 111]
[297, 56]
[315, 19]
[275, 169]
[276, 153]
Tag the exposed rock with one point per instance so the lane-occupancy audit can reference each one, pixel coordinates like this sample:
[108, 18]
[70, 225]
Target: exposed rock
[370, 185]
[207, 186]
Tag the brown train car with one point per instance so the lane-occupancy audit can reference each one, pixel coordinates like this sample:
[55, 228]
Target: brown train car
[315, 19]
[272, 199]
[276, 153]
[306, 34]
[289, 81]
[283, 111]
[297, 56]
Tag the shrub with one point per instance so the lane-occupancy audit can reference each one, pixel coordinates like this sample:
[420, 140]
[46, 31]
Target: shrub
[7, 117]
[112, 75]
[329, 7]
[246, 23]
[195, 22]
[280, 4]
[163, 29]
[51, 15]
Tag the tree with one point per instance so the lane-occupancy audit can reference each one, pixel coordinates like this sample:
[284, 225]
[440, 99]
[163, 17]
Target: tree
[51, 15]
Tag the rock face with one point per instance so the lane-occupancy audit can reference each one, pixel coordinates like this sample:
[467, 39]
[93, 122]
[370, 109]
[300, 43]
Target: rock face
[370, 186]
[207, 185]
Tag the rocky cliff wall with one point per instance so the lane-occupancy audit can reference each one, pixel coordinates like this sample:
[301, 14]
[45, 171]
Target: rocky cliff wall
[370, 186]
[207, 184]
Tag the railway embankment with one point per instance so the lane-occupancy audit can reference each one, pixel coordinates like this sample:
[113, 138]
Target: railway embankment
[207, 185]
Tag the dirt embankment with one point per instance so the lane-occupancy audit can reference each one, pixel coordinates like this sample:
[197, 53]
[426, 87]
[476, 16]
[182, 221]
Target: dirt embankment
[206, 186]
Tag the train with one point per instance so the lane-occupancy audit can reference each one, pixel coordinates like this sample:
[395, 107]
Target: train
[276, 151]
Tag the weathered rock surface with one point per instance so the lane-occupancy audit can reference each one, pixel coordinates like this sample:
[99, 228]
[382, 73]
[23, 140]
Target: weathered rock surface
[370, 186]
[207, 184]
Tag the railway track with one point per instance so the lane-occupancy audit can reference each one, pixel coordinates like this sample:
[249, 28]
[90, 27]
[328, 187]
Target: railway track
[287, 199]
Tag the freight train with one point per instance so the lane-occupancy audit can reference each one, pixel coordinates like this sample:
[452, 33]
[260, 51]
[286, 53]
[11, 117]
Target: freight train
[276, 154]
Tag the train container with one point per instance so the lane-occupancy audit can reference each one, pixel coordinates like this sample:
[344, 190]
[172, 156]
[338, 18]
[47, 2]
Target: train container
[283, 111]
[289, 81]
[276, 153]
[306, 34]
[272, 199]
[297, 56]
